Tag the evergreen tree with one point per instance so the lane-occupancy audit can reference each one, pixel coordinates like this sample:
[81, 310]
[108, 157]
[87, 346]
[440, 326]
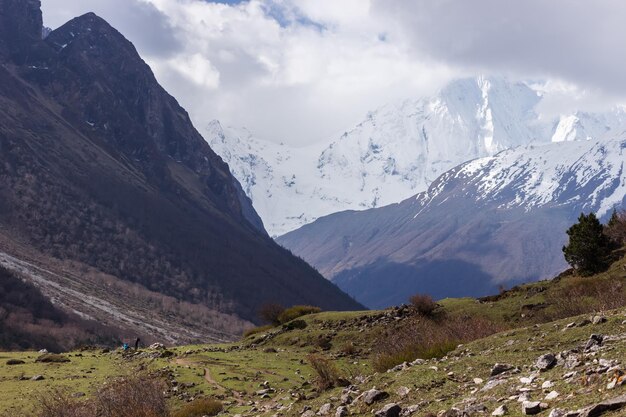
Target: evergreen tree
[588, 248]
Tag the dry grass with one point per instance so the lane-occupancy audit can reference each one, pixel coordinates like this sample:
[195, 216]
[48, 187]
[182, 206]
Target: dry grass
[141, 396]
[200, 407]
[256, 330]
[327, 372]
[426, 338]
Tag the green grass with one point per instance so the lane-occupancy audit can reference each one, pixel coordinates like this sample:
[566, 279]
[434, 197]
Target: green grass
[233, 373]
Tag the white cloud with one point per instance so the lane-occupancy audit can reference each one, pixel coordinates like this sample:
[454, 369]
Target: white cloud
[302, 70]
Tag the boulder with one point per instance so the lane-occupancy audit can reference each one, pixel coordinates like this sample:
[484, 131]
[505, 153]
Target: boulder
[545, 362]
[530, 408]
[374, 395]
[342, 411]
[500, 368]
[500, 411]
[390, 410]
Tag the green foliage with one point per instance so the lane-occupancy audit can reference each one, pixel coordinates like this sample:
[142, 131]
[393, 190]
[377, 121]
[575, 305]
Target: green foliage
[200, 407]
[257, 330]
[615, 229]
[297, 311]
[588, 248]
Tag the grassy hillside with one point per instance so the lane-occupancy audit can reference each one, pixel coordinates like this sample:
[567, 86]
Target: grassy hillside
[270, 372]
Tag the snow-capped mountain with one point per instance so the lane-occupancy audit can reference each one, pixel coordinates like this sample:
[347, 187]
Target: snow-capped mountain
[494, 220]
[398, 150]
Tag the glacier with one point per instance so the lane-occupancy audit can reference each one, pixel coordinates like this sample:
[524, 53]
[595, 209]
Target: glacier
[398, 150]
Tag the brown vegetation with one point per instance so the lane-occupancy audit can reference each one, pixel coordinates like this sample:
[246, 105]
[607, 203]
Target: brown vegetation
[142, 396]
[427, 338]
[294, 312]
[200, 407]
[327, 372]
[423, 304]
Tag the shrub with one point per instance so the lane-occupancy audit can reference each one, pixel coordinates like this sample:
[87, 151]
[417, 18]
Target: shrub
[578, 295]
[295, 324]
[423, 304]
[424, 338]
[588, 248]
[297, 311]
[200, 407]
[257, 330]
[143, 396]
[348, 349]
[271, 312]
[615, 229]
[327, 373]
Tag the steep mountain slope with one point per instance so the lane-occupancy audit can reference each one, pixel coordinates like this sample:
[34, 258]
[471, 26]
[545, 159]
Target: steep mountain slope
[100, 165]
[495, 220]
[398, 150]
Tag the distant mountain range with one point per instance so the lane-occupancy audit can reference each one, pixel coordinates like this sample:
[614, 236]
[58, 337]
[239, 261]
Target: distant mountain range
[101, 169]
[493, 221]
[398, 150]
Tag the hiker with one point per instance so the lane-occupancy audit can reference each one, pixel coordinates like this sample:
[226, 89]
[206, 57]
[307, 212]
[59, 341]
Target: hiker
[137, 343]
[125, 347]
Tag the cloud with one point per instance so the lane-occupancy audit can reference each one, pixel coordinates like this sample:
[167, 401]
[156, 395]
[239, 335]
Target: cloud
[575, 40]
[300, 71]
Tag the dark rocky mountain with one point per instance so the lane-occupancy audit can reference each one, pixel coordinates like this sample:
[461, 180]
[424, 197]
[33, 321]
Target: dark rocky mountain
[99, 165]
[493, 221]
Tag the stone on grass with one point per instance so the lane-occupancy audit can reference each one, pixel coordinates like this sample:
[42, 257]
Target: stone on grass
[552, 396]
[545, 362]
[37, 378]
[500, 411]
[530, 408]
[390, 410]
[374, 395]
[500, 368]
[342, 411]
[325, 409]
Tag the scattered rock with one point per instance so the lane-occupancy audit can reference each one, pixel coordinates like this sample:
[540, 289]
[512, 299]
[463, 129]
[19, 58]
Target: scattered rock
[410, 410]
[530, 408]
[547, 385]
[478, 381]
[500, 411]
[374, 395]
[157, 346]
[545, 362]
[595, 340]
[552, 396]
[342, 411]
[612, 404]
[557, 412]
[325, 409]
[37, 378]
[390, 410]
[403, 391]
[308, 413]
[598, 320]
[500, 368]
[15, 362]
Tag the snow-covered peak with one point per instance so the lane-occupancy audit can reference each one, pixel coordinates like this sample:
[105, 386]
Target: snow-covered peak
[397, 150]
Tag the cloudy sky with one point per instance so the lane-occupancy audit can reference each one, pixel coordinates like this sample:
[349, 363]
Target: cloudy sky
[303, 70]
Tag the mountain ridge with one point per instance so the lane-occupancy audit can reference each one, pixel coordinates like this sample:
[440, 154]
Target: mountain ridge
[399, 149]
[101, 166]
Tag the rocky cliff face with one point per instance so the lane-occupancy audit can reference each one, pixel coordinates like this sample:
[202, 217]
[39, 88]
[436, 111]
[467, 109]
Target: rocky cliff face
[99, 164]
[21, 27]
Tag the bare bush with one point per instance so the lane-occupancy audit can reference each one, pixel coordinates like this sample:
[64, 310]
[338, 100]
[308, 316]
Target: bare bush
[327, 372]
[423, 304]
[142, 396]
[294, 312]
[271, 312]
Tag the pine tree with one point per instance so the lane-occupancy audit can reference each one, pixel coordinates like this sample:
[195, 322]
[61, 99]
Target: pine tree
[588, 248]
